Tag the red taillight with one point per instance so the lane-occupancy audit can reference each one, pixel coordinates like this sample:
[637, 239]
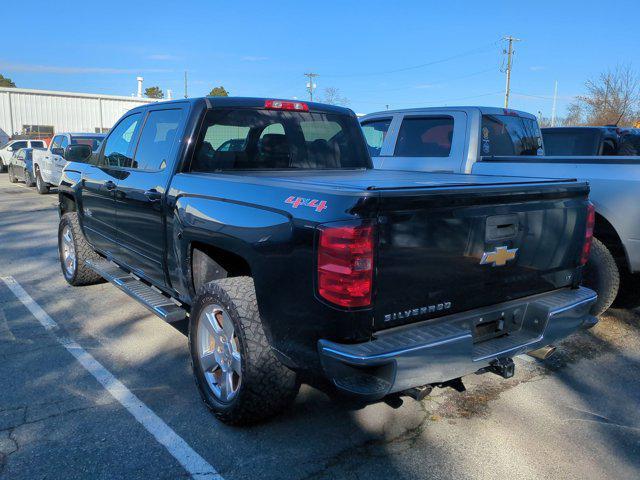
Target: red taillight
[283, 105]
[588, 234]
[345, 264]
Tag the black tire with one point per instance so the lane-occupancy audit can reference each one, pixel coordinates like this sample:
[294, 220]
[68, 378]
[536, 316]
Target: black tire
[28, 179]
[80, 274]
[12, 176]
[2, 166]
[629, 293]
[601, 274]
[41, 186]
[267, 386]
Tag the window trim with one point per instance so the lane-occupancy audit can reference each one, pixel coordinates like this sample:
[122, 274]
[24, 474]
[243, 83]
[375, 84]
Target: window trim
[434, 116]
[147, 114]
[103, 145]
[386, 137]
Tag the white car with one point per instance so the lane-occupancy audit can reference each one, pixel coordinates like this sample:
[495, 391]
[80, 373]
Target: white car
[7, 150]
[48, 164]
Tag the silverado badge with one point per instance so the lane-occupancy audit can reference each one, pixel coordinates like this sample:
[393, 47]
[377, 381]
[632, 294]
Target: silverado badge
[499, 257]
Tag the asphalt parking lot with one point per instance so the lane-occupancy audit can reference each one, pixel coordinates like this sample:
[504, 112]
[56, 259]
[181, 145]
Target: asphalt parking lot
[576, 415]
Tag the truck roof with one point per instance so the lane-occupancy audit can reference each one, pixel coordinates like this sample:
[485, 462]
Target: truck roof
[248, 102]
[468, 108]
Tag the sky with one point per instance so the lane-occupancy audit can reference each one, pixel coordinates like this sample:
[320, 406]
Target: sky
[379, 54]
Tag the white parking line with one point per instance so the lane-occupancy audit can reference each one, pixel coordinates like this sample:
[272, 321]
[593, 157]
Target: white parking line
[193, 463]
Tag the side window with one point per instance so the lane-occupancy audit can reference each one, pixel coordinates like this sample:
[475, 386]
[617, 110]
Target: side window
[37, 144]
[117, 150]
[157, 138]
[375, 132]
[64, 143]
[18, 145]
[425, 137]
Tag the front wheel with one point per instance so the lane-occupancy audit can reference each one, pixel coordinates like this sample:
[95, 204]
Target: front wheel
[74, 250]
[601, 274]
[41, 186]
[237, 373]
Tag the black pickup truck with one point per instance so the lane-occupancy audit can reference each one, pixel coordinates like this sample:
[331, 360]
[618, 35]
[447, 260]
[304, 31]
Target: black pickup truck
[264, 224]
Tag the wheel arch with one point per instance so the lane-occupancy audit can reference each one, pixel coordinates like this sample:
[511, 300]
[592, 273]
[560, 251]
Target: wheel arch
[209, 262]
[67, 203]
[607, 234]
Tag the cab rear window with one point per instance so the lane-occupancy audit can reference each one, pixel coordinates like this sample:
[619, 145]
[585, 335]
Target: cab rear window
[508, 135]
[246, 139]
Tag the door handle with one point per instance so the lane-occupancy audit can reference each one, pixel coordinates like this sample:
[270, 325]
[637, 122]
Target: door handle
[153, 195]
[110, 185]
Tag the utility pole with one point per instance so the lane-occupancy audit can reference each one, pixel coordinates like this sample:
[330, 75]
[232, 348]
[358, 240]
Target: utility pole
[185, 85]
[553, 108]
[310, 85]
[509, 53]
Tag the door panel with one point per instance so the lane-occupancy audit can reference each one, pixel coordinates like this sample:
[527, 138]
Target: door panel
[140, 195]
[98, 208]
[100, 182]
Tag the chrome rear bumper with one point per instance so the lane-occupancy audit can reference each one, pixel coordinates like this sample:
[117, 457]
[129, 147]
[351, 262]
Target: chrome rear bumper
[442, 349]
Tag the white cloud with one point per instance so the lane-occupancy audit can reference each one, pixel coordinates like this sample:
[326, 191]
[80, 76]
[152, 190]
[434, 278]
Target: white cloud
[426, 85]
[31, 68]
[253, 58]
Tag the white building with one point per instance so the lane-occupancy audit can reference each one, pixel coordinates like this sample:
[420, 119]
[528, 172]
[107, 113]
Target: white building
[42, 113]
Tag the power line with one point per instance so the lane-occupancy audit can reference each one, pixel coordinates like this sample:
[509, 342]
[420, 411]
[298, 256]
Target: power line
[422, 65]
[438, 101]
[441, 80]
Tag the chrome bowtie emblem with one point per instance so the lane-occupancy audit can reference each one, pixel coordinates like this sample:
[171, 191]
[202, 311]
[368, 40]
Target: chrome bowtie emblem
[499, 257]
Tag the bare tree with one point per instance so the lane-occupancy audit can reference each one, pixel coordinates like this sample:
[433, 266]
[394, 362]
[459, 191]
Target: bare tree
[332, 97]
[575, 115]
[611, 99]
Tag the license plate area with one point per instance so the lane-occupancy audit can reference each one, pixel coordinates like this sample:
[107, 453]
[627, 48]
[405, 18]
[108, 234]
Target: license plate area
[498, 323]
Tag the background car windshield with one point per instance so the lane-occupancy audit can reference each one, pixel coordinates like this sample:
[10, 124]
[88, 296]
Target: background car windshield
[510, 135]
[267, 139]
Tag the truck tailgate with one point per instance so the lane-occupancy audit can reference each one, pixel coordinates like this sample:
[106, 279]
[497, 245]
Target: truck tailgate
[449, 249]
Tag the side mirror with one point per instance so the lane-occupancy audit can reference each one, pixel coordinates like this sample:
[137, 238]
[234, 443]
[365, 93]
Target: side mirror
[9, 149]
[58, 151]
[77, 153]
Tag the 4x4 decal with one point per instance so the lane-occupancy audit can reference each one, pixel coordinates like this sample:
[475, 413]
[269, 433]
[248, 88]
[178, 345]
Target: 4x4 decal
[295, 202]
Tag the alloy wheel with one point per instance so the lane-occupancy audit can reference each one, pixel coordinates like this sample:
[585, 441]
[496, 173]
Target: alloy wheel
[219, 352]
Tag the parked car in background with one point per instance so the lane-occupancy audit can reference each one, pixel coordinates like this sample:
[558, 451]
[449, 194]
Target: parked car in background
[7, 150]
[588, 141]
[263, 222]
[21, 167]
[48, 164]
[495, 141]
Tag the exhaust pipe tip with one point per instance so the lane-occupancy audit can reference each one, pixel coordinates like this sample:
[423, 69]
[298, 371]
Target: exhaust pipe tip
[543, 353]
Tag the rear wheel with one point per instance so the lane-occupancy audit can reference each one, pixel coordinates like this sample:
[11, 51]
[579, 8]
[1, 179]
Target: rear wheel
[238, 375]
[74, 250]
[28, 179]
[12, 175]
[41, 186]
[1, 165]
[601, 274]
[629, 293]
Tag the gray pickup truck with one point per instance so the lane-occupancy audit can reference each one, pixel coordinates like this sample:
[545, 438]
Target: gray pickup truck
[495, 141]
